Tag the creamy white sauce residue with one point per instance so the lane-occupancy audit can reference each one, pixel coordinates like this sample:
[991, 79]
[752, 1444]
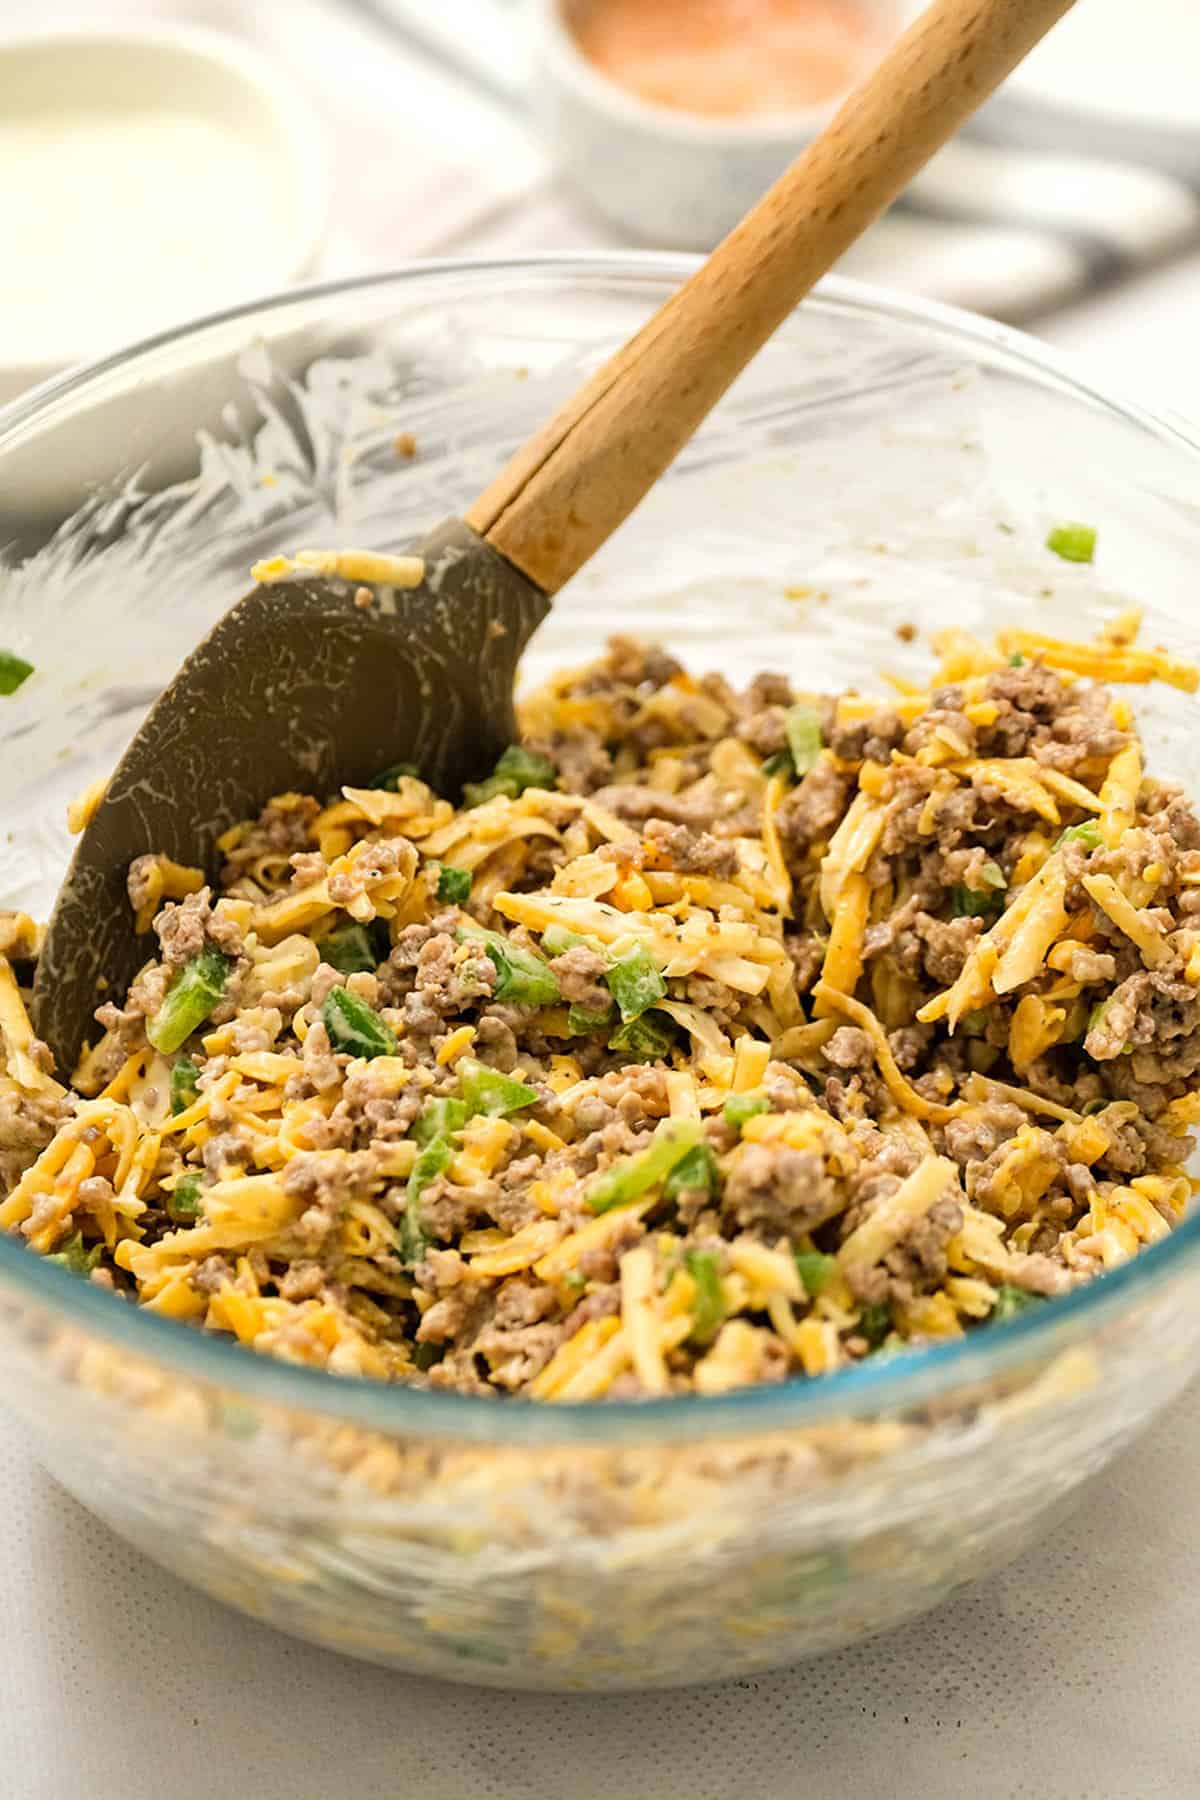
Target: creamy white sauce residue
[115, 224]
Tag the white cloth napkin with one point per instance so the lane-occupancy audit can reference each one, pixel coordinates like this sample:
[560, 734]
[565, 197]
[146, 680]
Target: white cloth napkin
[996, 223]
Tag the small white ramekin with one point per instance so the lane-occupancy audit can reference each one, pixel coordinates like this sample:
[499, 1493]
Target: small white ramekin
[672, 178]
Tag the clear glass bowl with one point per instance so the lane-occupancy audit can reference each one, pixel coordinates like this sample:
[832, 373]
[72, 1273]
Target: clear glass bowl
[882, 465]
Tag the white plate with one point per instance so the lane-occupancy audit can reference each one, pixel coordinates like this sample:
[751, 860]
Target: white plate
[145, 177]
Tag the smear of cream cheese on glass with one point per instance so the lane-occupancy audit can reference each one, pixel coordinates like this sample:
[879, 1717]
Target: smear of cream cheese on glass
[116, 224]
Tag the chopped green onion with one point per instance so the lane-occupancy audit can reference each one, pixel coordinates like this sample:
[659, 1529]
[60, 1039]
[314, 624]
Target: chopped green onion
[975, 1024]
[816, 1271]
[392, 776]
[573, 1282]
[454, 884]
[740, 1107]
[779, 764]
[994, 875]
[1016, 660]
[1011, 1302]
[433, 1161]
[354, 1027]
[1088, 834]
[1074, 543]
[708, 1307]
[516, 770]
[13, 671]
[75, 1257]
[427, 1356]
[875, 1323]
[487, 1091]
[349, 951]
[185, 1084]
[694, 1173]
[1094, 1106]
[581, 1022]
[648, 1039]
[635, 983]
[183, 1202]
[193, 993]
[521, 976]
[439, 1118]
[628, 1180]
[802, 728]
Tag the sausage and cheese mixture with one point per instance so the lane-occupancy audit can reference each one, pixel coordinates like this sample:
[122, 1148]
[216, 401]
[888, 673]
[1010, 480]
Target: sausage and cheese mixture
[716, 1038]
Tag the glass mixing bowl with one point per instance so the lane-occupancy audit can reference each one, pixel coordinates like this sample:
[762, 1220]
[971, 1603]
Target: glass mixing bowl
[883, 465]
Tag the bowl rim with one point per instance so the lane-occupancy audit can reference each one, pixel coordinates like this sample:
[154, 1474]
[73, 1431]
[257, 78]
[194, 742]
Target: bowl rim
[301, 139]
[909, 1378]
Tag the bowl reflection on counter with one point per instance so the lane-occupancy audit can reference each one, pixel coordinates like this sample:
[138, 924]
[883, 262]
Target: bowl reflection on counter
[882, 463]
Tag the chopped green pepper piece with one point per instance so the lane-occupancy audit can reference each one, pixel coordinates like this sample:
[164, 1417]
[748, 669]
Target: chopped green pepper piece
[1094, 1106]
[487, 1091]
[454, 884]
[354, 1027]
[1011, 1302]
[975, 903]
[802, 728]
[1074, 543]
[1016, 660]
[694, 1173]
[426, 1356]
[349, 951]
[183, 1202]
[75, 1256]
[13, 671]
[1097, 1013]
[779, 764]
[708, 1307]
[521, 976]
[528, 768]
[875, 1323]
[581, 1022]
[185, 1084]
[816, 1271]
[433, 1161]
[476, 793]
[648, 1039]
[439, 1118]
[189, 999]
[557, 940]
[993, 875]
[635, 983]
[392, 776]
[740, 1107]
[1088, 834]
[516, 770]
[629, 1179]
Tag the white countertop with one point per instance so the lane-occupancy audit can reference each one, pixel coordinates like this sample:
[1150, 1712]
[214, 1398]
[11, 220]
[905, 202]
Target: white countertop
[1066, 1678]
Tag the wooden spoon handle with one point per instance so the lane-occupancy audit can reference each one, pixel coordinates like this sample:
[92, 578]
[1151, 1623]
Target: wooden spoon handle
[570, 486]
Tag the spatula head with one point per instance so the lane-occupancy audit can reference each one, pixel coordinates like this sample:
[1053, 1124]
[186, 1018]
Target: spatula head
[300, 687]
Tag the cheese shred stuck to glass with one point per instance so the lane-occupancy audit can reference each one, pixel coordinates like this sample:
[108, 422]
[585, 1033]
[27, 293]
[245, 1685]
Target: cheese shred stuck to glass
[716, 1038]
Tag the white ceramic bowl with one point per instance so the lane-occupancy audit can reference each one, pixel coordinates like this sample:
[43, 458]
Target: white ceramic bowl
[670, 177]
[80, 105]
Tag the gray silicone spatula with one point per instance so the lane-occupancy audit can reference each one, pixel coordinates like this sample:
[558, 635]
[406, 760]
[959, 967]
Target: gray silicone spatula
[303, 686]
